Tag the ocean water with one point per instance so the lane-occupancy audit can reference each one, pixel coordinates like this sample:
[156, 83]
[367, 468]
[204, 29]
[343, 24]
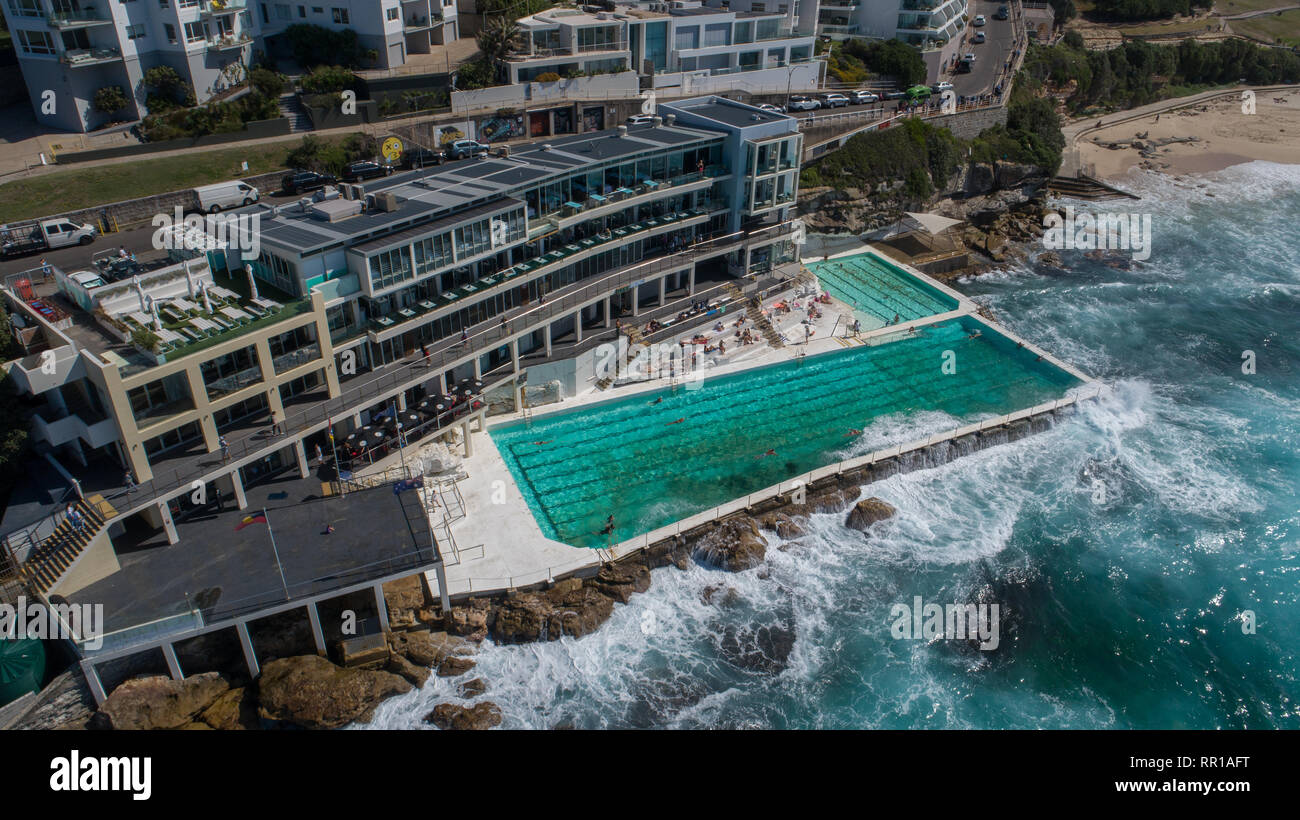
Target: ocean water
[1122, 608]
[652, 459]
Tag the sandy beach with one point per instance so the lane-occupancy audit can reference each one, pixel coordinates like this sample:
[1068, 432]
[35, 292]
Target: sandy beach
[1206, 137]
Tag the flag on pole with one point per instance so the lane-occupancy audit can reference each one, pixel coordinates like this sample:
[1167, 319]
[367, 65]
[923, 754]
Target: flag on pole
[259, 518]
[408, 484]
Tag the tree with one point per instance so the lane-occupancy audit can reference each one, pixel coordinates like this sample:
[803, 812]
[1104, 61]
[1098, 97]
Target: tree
[498, 37]
[316, 45]
[109, 99]
[170, 89]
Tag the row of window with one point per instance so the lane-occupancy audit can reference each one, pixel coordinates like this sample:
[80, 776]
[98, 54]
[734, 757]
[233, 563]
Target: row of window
[392, 267]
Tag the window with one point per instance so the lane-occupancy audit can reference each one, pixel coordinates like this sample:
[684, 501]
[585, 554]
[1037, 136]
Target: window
[35, 42]
[389, 268]
[170, 31]
[135, 32]
[340, 16]
[688, 37]
[390, 14]
[196, 31]
[26, 8]
[283, 12]
[302, 12]
[164, 4]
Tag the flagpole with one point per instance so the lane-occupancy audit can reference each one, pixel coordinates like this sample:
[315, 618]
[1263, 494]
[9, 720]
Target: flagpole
[334, 450]
[271, 533]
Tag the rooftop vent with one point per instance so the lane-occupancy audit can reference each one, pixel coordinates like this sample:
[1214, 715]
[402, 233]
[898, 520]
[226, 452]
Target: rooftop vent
[670, 119]
[386, 201]
[658, 121]
[547, 147]
[622, 131]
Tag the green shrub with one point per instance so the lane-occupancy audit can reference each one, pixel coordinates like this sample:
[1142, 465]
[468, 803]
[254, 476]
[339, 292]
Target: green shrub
[109, 99]
[316, 45]
[266, 82]
[327, 78]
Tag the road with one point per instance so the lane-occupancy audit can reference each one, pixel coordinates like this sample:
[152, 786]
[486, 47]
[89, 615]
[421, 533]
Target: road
[989, 55]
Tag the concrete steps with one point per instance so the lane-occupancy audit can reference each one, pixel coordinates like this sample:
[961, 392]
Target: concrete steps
[1085, 187]
[56, 554]
[292, 110]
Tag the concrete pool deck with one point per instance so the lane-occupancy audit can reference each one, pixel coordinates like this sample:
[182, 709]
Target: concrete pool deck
[500, 545]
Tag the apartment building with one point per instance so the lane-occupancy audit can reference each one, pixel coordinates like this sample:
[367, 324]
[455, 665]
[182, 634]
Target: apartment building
[393, 29]
[927, 24]
[441, 293]
[675, 45]
[69, 49]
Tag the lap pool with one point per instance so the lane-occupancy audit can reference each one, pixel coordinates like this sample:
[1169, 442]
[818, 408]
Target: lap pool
[878, 291]
[650, 463]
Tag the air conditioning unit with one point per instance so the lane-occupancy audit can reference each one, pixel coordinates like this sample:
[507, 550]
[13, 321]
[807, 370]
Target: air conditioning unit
[386, 201]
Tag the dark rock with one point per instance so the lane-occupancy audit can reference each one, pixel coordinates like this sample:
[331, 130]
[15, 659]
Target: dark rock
[473, 688]
[158, 702]
[867, 512]
[235, 710]
[311, 692]
[735, 544]
[480, 716]
[568, 608]
[415, 675]
[455, 665]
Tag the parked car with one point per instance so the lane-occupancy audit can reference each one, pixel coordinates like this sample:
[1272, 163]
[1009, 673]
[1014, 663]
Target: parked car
[801, 103]
[640, 119]
[365, 169]
[978, 38]
[895, 95]
[212, 198]
[1002, 13]
[421, 157]
[969, 57]
[834, 100]
[466, 148]
[299, 181]
[963, 67]
[16, 240]
[979, 20]
[941, 86]
[863, 97]
[771, 109]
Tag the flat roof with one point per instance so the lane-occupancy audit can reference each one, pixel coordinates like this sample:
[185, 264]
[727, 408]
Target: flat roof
[469, 183]
[730, 113]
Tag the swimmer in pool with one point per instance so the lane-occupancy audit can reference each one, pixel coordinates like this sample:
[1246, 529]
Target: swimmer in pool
[853, 431]
[679, 421]
[548, 441]
[658, 400]
[768, 453]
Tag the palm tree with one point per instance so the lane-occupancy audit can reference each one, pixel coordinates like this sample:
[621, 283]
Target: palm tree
[497, 38]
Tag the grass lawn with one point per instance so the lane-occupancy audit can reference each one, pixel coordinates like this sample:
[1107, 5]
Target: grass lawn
[101, 184]
[1271, 27]
[1170, 28]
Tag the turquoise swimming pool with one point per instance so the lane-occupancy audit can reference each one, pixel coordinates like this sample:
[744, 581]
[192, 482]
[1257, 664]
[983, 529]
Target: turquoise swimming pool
[655, 458]
[878, 291]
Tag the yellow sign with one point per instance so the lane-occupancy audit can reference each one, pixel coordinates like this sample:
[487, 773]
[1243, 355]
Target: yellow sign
[392, 149]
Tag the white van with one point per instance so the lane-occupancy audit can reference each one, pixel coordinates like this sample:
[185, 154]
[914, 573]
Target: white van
[213, 198]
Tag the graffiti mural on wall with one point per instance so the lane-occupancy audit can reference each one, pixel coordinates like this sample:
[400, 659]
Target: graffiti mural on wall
[494, 129]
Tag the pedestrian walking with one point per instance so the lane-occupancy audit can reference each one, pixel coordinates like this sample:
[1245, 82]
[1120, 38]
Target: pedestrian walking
[320, 457]
[130, 482]
[464, 335]
[276, 430]
[225, 449]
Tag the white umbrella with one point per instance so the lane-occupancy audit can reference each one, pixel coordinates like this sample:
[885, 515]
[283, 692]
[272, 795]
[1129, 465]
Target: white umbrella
[252, 283]
[207, 300]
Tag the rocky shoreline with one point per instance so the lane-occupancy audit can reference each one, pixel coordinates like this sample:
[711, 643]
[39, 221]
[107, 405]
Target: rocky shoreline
[313, 692]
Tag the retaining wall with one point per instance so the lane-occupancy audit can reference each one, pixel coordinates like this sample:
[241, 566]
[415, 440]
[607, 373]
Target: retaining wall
[259, 129]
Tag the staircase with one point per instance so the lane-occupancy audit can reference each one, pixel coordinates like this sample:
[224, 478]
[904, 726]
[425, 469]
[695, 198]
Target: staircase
[1085, 187]
[754, 313]
[52, 558]
[291, 109]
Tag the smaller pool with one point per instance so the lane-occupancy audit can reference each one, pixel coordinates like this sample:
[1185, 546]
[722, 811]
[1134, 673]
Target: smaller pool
[879, 291]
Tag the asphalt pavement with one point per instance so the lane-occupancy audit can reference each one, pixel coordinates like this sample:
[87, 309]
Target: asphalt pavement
[989, 55]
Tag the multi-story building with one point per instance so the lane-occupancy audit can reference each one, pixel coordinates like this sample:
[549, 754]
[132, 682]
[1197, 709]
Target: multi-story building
[69, 49]
[495, 272]
[392, 29]
[926, 24]
[680, 44]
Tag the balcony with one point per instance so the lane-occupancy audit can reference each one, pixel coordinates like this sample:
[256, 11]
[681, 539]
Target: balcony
[420, 22]
[77, 58]
[229, 41]
[618, 46]
[828, 30]
[295, 358]
[211, 7]
[614, 239]
[840, 4]
[77, 18]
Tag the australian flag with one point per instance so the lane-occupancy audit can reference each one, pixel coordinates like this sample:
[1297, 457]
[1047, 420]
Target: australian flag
[408, 484]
